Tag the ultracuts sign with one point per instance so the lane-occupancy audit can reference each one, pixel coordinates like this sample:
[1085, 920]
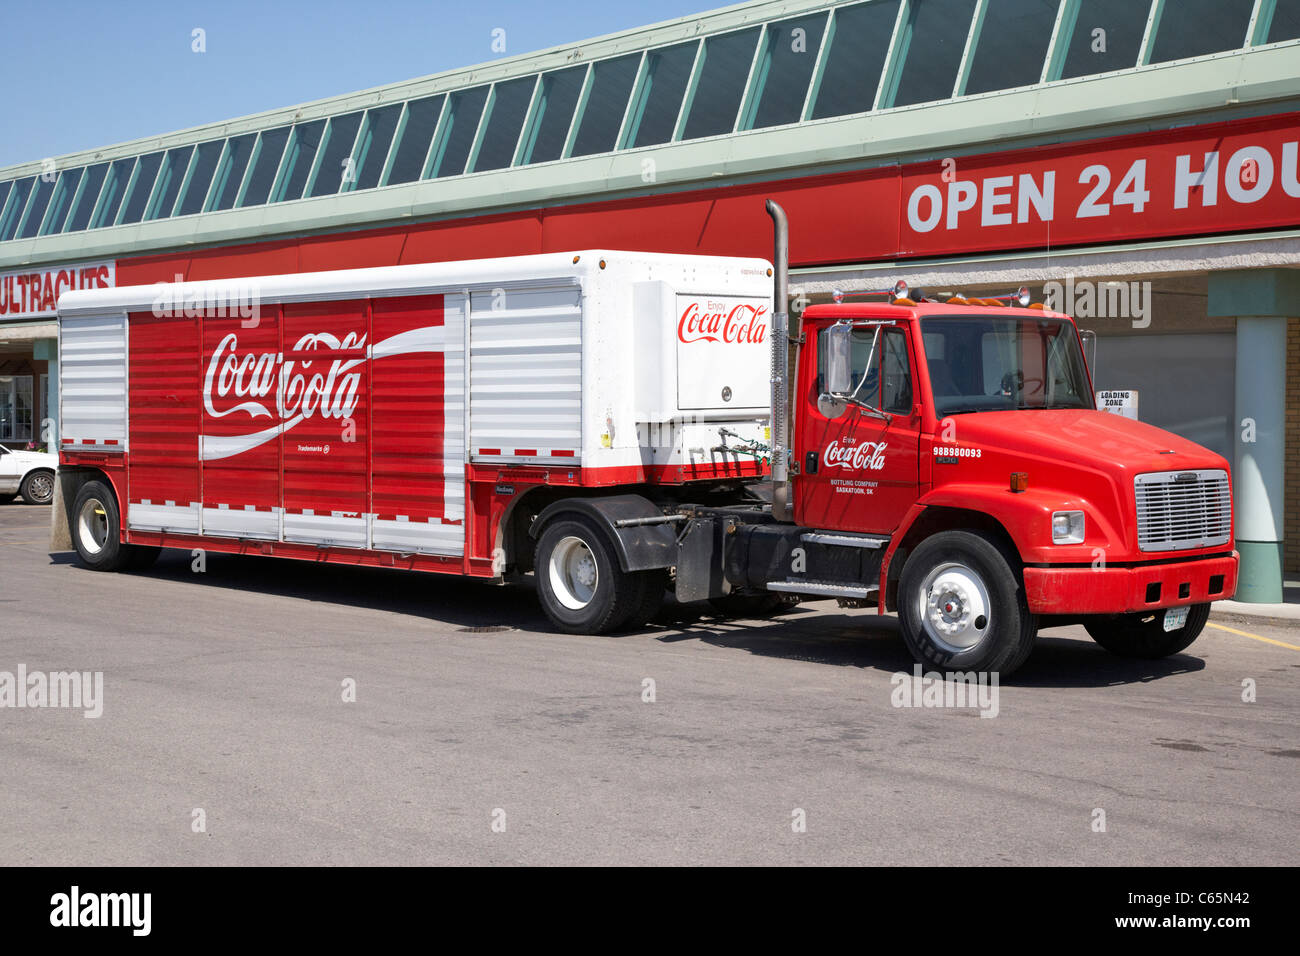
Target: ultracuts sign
[35, 293]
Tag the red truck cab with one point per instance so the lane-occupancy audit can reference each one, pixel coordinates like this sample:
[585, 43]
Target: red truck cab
[968, 434]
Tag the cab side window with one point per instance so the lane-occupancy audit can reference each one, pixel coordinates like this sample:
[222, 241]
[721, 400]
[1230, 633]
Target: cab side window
[896, 382]
[891, 392]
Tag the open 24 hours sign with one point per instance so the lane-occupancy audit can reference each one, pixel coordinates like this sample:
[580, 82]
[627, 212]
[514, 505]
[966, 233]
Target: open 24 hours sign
[1233, 176]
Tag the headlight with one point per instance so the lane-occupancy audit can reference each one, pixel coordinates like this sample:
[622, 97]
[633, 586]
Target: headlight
[1067, 527]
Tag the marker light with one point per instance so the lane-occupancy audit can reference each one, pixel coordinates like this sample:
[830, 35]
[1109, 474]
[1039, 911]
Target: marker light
[1019, 481]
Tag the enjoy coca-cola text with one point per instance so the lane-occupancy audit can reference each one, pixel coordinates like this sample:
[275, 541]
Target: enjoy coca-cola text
[868, 455]
[715, 322]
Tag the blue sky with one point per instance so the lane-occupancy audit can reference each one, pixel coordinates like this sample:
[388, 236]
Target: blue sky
[80, 75]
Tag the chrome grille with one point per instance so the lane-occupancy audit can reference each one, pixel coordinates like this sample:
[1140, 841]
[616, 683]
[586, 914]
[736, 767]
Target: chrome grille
[1177, 510]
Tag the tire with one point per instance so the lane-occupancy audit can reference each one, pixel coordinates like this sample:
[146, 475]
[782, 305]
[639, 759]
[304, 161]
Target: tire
[653, 585]
[5, 499]
[984, 623]
[38, 487]
[749, 605]
[1143, 635]
[579, 582]
[96, 527]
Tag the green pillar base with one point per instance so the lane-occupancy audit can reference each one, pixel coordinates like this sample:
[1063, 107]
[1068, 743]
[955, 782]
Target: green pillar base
[1259, 578]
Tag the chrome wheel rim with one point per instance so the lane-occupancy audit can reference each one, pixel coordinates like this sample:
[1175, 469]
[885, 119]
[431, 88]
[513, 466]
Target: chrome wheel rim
[573, 573]
[42, 488]
[92, 526]
[953, 607]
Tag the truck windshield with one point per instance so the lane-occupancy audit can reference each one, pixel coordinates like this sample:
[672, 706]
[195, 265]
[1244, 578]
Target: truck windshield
[984, 363]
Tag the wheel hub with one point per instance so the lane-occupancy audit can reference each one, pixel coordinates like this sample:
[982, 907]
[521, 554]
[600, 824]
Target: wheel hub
[92, 526]
[954, 607]
[574, 575]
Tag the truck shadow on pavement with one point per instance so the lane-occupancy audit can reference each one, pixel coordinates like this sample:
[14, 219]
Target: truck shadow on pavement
[815, 632]
[820, 633]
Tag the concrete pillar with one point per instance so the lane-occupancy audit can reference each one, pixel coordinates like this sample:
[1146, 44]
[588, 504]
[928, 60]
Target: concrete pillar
[1260, 300]
[47, 350]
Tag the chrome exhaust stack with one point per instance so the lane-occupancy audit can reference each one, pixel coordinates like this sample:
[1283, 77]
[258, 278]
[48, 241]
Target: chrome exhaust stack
[781, 338]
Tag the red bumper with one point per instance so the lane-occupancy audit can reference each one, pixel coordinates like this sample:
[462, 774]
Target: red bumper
[1118, 590]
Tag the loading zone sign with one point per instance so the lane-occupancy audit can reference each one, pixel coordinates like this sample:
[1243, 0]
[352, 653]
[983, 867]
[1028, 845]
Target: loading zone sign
[1119, 402]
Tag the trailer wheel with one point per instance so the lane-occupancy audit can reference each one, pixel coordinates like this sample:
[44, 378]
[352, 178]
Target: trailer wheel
[962, 606]
[96, 532]
[581, 586]
[1143, 634]
[38, 487]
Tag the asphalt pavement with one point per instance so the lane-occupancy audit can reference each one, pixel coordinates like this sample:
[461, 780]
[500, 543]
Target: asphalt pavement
[475, 736]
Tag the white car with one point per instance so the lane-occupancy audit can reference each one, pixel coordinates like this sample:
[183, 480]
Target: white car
[27, 473]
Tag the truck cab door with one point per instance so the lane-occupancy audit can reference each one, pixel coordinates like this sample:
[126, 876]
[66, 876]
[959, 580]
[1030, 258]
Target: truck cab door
[860, 471]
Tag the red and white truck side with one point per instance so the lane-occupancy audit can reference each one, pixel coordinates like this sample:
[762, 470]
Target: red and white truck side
[606, 419]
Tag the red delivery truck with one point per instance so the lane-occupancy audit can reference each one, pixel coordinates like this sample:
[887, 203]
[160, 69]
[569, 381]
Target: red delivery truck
[622, 424]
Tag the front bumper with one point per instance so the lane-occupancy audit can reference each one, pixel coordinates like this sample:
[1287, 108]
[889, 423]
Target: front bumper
[1112, 590]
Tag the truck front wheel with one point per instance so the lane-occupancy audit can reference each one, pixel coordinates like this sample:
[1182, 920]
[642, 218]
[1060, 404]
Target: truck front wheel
[581, 586]
[962, 607]
[1143, 634]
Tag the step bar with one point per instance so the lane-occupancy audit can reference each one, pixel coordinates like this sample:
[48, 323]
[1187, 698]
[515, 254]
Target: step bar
[824, 588]
[845, 540]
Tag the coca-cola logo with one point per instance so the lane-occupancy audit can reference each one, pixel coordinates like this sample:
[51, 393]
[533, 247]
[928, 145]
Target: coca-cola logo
[265, 385]
[742, 324]
[303, 388]
[869, 455]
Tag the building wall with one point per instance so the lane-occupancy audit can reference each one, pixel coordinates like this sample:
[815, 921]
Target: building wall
[1291, 522]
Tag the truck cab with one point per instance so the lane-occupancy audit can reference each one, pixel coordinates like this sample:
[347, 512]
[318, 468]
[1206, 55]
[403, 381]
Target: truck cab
[963, 434]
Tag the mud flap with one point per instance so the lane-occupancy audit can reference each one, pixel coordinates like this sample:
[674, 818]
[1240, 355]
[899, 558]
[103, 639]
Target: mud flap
[700, 564]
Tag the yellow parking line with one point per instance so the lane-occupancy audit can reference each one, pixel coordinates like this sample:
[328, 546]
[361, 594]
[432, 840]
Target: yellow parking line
[1266, 640]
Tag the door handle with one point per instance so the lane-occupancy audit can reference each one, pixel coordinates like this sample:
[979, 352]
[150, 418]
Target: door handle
[810, 463]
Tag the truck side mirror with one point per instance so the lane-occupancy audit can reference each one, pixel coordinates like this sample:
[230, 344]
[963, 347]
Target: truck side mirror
[838, 373]
[839, 369]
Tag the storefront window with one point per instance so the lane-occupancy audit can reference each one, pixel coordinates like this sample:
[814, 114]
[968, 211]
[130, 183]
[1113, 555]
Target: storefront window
[15, 408]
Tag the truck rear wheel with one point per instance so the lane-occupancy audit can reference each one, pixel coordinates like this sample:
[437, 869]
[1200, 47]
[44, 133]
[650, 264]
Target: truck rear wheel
[96, 532]
[1143, 634]
[580, 584]
[962, 606]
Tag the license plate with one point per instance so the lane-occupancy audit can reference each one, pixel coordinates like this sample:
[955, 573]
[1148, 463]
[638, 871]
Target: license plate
[1175, 618]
